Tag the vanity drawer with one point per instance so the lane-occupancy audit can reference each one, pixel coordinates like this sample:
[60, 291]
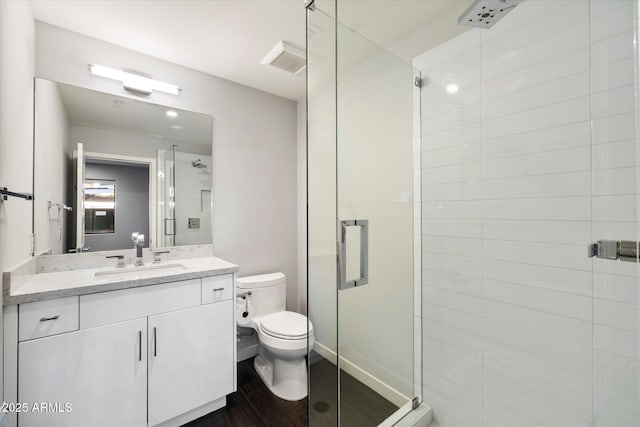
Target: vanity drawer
[50, 317]
[217, 288]
[117, 306]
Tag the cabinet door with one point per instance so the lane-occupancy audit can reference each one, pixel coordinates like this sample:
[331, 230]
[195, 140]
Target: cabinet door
[101, 372]
[190, 359]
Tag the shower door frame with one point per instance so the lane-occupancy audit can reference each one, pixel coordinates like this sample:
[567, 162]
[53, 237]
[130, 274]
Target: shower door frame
[166, 195]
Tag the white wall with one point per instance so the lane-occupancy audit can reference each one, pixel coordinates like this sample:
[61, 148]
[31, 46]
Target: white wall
[533, 158]
[126, 144]
[254, 146]
[16, 131]
[51, 169]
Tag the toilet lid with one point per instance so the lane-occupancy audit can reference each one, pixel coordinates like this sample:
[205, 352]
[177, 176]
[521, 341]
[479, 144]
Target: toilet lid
[286, 325]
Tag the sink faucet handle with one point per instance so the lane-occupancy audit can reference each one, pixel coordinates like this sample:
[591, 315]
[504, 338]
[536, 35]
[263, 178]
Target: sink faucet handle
[120, 258]
[157, 256]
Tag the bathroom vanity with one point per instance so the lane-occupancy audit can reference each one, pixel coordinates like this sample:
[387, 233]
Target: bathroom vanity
[109, 346]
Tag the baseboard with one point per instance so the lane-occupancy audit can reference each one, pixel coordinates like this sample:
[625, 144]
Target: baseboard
[325, 352]
[383, 389]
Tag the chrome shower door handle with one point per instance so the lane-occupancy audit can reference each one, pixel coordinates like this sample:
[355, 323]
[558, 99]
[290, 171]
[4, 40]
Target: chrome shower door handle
[343, 283]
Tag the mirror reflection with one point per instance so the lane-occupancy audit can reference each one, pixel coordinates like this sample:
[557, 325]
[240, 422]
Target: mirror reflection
[99, 207]
[108, 166]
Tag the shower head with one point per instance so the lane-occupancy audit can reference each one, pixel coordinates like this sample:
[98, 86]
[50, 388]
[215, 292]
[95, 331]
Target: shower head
[198, 164]
[485, 13]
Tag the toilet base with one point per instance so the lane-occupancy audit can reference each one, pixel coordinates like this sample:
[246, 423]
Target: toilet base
[287, 379]
[247, 342]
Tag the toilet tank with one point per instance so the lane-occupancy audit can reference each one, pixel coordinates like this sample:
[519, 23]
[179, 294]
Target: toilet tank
[268, 292]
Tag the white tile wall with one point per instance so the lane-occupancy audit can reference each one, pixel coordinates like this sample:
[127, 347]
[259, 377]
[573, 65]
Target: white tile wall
[534, 157]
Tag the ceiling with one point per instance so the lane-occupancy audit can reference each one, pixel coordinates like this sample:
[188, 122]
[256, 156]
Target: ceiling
[100, 110]
[228, 38]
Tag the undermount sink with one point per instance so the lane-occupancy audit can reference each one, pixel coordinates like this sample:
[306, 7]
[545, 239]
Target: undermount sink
[132, 271]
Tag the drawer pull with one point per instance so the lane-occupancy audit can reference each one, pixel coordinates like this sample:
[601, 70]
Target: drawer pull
[218, 289]
[155, 343]
[139, 346]
[46, 319]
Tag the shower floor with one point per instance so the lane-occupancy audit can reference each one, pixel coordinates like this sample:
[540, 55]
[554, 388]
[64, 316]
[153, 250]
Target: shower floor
[360, 406]
[253, 405]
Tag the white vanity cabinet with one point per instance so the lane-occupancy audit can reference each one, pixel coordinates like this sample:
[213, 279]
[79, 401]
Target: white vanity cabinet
[152, 355]
[189, 359]
[101, 372]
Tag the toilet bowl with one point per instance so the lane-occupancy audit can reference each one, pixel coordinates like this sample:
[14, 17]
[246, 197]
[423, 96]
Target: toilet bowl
[284, 336]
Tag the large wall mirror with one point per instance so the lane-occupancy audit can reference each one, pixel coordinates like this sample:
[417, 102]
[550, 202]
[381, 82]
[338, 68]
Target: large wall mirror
[107, 166]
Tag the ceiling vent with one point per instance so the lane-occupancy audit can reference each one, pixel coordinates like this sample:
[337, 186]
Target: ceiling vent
[286, 57]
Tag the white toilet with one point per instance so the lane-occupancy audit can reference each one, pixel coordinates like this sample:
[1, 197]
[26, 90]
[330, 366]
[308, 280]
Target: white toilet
[284, 336]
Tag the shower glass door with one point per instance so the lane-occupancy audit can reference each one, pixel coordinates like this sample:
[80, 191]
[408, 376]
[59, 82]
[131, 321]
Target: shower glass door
[167, 196]
[361, 210]
[375, 229]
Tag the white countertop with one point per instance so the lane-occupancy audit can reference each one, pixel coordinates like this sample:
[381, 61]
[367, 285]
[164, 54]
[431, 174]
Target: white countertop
[60, 284]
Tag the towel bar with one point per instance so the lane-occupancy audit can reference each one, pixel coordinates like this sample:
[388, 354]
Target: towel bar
[4, 193]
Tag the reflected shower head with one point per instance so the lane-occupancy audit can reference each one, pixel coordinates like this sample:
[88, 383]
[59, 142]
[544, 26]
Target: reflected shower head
[198, 164]
[485, 13]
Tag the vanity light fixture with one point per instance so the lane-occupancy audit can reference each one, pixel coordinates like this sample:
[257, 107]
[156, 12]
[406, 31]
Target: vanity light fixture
[134, 82]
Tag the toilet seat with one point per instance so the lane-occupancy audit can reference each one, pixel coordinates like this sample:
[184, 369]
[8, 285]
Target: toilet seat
[286, 325]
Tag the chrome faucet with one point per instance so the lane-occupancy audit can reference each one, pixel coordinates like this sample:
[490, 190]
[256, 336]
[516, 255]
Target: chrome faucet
[120, 259]
[157, 256]
[138, 244]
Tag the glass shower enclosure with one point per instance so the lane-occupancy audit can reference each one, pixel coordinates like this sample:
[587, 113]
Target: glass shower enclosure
[520, 269]
[184, 197]
[363, 241]
[167, 196]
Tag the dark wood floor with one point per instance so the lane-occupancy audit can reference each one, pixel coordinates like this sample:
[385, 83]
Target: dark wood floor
[360, 406]
[253, 405]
